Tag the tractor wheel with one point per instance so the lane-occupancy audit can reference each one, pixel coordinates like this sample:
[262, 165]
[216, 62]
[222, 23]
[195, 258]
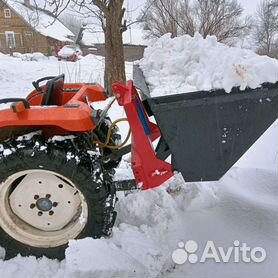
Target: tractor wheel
[51, 192]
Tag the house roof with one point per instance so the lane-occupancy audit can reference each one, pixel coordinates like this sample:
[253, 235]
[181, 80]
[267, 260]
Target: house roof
[94, 35]
[41, 20]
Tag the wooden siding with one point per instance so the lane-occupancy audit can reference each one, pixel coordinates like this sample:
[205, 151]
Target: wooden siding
[131, 52]
[26, 38]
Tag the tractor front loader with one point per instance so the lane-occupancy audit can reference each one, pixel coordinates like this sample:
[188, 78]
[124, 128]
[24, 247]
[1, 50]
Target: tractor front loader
[58, 154]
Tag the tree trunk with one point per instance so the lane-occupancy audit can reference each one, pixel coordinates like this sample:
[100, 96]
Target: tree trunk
[114, 53]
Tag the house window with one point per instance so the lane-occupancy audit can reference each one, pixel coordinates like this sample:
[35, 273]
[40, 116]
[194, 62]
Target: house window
[10, 39]
[7, 13]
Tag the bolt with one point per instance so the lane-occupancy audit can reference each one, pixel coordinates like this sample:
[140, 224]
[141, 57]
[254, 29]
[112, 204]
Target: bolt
[32, 206]
[36, 197]
[48, 196]
[40, 213]
[51, 212]
[55, 204]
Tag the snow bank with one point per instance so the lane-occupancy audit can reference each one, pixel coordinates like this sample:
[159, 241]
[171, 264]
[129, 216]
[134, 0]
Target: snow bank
[36, 56]
[69, 50]
[242, 206]
[66, 52]
[15, 82]
[186, 64]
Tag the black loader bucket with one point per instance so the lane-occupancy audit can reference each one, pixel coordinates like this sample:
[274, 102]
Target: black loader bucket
[207, 132]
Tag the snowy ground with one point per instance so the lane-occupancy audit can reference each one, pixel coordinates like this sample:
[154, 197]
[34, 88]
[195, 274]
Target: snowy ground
[241, 206]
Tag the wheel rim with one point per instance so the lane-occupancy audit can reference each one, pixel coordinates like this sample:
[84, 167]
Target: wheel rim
[42, 208]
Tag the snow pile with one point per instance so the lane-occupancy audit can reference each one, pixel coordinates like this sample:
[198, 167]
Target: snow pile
[242, 206]
[36, 68]
[66, 52]
[186, 64]
[17, 83]
[36, 56]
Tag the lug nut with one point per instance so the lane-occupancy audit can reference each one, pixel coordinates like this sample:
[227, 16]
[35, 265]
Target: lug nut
[51, 212]
[47, 196]
[40, 213]
[54, 204]
[36, 197]
[32, 206]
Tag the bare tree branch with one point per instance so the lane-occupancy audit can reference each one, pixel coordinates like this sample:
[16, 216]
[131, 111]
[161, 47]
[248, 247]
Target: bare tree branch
[221, 18]
[175, 19]
[101, 5]
[266, 30]
[110, 14]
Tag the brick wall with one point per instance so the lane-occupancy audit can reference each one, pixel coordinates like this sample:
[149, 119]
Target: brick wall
[54, 45]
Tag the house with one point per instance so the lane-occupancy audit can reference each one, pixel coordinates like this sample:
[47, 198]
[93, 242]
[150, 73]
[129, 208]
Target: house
[91, 40]
[25, 28]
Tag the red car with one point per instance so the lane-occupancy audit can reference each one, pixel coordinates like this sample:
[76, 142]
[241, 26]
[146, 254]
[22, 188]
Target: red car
[69, 53]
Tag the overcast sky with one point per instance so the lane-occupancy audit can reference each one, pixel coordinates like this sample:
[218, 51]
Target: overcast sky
[250, 6]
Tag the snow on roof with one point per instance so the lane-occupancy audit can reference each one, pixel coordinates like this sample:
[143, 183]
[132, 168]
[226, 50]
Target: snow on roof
[94, 35]
[41, 20]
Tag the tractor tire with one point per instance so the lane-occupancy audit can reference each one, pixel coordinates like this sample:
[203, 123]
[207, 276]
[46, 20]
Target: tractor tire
[50, 192]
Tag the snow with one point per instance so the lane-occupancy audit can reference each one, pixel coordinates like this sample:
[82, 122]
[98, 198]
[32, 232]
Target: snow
[68, 51]
[241, 206]
[132, 36]
[62, 138]
[187, 64]
[41, 21]
[89, 69]
[28, 136]
[35, 56]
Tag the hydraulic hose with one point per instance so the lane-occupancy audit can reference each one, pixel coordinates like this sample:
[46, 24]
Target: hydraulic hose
[109, 134]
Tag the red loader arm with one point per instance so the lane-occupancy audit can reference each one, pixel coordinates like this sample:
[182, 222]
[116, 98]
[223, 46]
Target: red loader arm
[149, 171]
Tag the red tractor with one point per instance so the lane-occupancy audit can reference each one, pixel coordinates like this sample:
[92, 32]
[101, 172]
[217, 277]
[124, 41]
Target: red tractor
[58, 154]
